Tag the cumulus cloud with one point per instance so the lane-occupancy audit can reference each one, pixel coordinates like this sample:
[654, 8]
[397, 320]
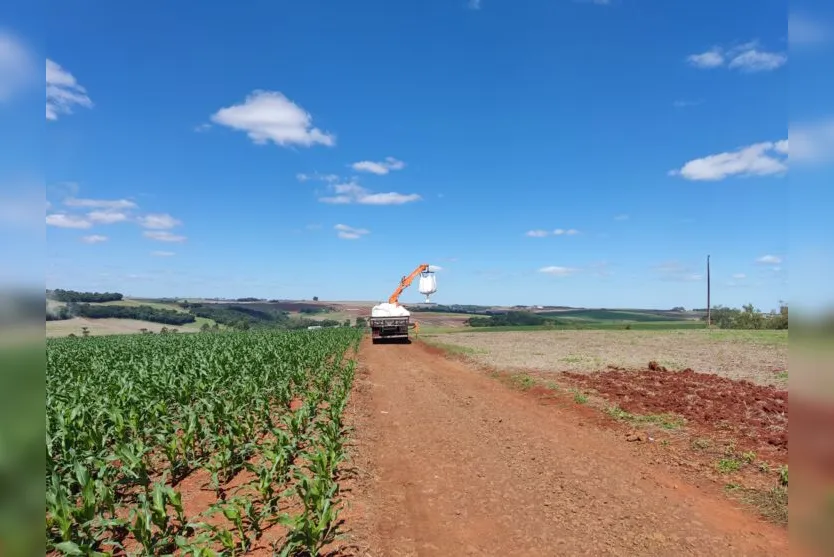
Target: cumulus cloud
[106, 217]
[163, 236]
[539, 233]
[748, 58]
[558, 271]
[94, 239]
[270, 116]
[759, 159]
[100, 203]
[346, 232]
[353, 193]
[380, 168]
[330, 178]
[62, 220]
[162, 221]
[769, 260]
[63, 92]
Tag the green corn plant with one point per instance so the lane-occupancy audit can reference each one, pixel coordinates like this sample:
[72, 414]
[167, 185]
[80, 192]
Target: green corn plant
[122, 410]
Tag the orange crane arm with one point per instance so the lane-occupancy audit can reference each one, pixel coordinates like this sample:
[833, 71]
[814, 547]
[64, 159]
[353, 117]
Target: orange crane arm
[405, 282]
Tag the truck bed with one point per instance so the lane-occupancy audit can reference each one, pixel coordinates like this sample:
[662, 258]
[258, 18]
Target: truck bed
[389, 327]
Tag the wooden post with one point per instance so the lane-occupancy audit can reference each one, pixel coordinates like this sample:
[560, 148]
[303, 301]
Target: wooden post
[709, 307]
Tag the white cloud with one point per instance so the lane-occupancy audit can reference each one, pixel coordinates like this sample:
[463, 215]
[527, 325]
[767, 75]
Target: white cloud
[769, 260]
[812, 142]
[706, 60]
[94, 239]
[544, 233]
[163, 236]
[100, 203]
[382, 167]
[106, 217]
[747, 57]
[61, 220]
[330, 178]
[17, 66]
[757, 61]
[352, 192]
[739, 276]
[558, 271]
[805, 30]
[474, 4]
[158, 221]
[270, 116]
[63, 92]
[346, 232]
[621, 217]
[759, 159]
[163, 253]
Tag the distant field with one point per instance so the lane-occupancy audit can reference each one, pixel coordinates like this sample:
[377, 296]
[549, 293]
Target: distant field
[613, 315]
[572, 325]
[119, 326]
[758, 356]
[111, 326]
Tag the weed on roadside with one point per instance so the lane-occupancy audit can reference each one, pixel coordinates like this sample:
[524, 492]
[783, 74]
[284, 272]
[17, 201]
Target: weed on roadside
[522, 381]
[728, 465]
[579, 397]
[666, 421]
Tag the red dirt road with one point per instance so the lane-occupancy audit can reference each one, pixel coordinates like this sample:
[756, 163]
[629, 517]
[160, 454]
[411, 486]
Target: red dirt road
[455, 463]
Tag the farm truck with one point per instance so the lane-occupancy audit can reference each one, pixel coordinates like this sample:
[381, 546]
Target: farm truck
[391, 320]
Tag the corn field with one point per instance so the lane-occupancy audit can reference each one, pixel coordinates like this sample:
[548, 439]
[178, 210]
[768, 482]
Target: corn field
[252, 419]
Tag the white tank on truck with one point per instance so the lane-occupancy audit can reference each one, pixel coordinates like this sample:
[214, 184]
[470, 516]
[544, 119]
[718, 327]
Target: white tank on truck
[391, 320]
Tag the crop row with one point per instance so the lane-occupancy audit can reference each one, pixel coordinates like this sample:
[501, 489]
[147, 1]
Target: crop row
[256, 417]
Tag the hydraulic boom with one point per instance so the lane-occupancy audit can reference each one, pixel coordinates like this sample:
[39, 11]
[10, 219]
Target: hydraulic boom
[405, 282]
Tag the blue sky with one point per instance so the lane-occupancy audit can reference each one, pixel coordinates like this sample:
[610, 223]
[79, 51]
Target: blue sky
[549, 151]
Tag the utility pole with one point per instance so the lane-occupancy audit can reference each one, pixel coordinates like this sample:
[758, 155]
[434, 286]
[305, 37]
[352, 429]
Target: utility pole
[709, 307]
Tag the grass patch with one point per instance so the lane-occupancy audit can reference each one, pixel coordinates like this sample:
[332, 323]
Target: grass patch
[522, 381]
[666, 421]
[764, 337]
[728, 465]
[580, 398]
[772, 504]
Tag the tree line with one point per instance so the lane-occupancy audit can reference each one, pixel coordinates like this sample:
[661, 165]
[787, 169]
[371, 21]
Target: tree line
[748, 317]
[141, 313]
[61, 295]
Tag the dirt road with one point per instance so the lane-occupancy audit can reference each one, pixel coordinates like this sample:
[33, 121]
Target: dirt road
[456, 463]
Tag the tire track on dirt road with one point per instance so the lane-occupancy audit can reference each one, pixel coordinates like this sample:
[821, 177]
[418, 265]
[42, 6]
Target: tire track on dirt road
[456, 463]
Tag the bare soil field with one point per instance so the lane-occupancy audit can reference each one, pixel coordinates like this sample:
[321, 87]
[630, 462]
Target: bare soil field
[110, 326]
[452, 462]
[760, 358]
